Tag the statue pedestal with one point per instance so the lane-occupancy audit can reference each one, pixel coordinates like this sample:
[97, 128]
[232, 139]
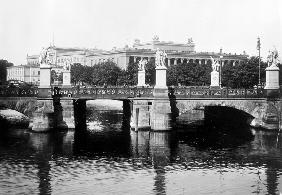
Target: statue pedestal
[272, 81]
[160, 89]
[141, 78]
[66, 78]
[214, 79]
[44, 88]
[45, 76]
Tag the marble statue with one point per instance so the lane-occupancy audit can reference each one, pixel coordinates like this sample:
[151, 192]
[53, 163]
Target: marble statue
[66, 66]
[141, 64]
[160, 58]
[272, 57]
[215, 64]
[43, 56]
[46, 56]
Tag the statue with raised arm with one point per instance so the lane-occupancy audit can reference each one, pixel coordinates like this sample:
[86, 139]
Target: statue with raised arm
[141, 64]
[215, 64]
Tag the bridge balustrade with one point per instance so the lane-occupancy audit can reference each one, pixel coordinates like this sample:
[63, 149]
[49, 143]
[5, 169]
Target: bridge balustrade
[104, 92]
[15, 91]
[131, 92]
[190, 92]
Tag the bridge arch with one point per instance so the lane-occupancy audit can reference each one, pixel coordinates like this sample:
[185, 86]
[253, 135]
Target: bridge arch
[256, 112]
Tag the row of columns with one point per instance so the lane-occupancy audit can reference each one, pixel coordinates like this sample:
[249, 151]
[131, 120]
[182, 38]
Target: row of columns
[175, 61]
[100, 60]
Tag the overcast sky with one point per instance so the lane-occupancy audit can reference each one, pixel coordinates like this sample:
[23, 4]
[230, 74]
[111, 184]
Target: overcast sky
[27, 26]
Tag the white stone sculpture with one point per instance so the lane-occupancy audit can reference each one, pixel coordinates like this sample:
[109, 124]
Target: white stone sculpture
[215, 73]
[272, 74]
[215, 64]
[141, 64]
[46, 56]
[160, 58]
[272, 58]
[66, 66]
[42, 56]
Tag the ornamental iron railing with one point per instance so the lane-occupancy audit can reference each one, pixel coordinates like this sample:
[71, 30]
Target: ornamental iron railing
[127, 92]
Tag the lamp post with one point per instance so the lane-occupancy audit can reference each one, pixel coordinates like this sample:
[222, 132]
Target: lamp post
[258, 48]
[220, 70]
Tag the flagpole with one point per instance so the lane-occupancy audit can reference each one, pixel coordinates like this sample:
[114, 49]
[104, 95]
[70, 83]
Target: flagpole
[258, 47]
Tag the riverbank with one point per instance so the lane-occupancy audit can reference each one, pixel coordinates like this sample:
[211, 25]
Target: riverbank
[13, 118]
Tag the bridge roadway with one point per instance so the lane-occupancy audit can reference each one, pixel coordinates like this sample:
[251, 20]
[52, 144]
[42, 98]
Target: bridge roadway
[65, 107]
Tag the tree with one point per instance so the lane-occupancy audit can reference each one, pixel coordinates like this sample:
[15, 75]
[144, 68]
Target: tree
[150, 72]
[131, 74]
[189, 74]
[172, 75]
[77, 71]
[3, 70]
[105, 73]
[243, 75]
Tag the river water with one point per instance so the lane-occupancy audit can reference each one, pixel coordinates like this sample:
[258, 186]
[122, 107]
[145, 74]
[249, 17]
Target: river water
[109, 158]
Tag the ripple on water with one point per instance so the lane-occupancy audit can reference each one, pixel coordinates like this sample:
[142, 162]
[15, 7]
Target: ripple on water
[114, 161]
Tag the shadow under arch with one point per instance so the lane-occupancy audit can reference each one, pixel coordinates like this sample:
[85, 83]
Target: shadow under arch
[226, 117]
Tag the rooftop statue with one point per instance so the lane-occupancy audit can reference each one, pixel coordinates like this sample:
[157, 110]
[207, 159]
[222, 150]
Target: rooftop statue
[141, 64]
[156, 38]
[190, 40]
[160, 58]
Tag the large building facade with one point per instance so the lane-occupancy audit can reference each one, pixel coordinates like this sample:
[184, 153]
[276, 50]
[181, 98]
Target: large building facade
[176, 53]
[25, 73]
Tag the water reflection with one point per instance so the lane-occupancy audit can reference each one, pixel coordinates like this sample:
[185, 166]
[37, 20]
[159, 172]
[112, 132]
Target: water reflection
[157, 147]
[109, 158]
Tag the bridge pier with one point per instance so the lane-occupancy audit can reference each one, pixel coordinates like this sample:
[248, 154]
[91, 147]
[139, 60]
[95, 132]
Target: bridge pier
[43, 117]
[127, 107]
[140, 116]
[161, 116]
[53, 114]
[151, 114]
[67, 112]
[80, 114]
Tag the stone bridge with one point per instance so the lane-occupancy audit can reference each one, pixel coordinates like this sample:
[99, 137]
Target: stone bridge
[64, 107]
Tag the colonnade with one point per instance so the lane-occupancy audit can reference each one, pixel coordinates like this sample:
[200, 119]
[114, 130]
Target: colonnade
[177, 60]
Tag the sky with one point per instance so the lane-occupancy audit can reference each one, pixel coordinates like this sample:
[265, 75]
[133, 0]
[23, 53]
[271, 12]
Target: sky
[233, 25]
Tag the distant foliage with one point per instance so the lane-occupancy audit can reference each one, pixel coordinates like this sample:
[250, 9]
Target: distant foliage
[3, 70]
[106, 73]
[189, 74]
[130, 74]
[243, 75]
[150, 73]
